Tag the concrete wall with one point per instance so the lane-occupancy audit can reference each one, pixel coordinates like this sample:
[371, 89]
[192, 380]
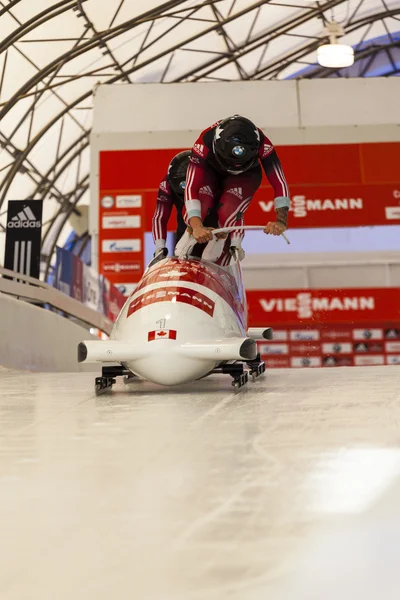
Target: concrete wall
[292, 112]
[35, 339]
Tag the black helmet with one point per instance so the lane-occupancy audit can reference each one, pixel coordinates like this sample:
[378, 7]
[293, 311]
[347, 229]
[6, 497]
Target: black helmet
[236, 143]
[177, 172]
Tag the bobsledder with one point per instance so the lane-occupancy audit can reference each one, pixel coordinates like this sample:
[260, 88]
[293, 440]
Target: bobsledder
[186, 319]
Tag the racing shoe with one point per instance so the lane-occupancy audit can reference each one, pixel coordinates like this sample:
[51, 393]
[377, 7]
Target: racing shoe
[158, 255]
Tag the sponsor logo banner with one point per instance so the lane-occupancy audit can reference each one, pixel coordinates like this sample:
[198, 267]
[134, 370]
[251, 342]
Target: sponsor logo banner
[107, 201]
[392, 213]
[333, 206]
[367, 334]
[122, 266]
[134, 201]
[319, 197]
[132, 245]
[337, 348]
[362, 361]
[276, 362]
[336, 334]
[393, 359]
[392, 346]
[121, 222]
[368, 347]
[279, 335]
[121, 230]
[23, 237]
[274, 349]
[373, 347]
[392, 334]
[306, 361]
[304, 335]
[337, 361]
[306, 349]
[323, 306]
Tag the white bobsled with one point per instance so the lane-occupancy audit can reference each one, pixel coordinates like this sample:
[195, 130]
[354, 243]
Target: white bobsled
[187, 318]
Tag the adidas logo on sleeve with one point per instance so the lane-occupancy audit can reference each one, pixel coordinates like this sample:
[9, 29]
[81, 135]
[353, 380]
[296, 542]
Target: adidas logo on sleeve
[207, 191]
[267, 150]
[238, 192]
[199, 148]
[25, 219]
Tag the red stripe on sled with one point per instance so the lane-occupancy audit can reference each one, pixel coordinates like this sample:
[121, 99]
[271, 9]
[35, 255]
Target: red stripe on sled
[173, 294]
[218, 281]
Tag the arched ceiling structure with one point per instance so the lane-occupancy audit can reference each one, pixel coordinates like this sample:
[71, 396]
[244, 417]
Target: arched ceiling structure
[54, 54]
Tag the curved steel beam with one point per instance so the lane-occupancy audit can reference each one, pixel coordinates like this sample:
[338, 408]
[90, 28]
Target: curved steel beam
[36, 21]
[9, 6]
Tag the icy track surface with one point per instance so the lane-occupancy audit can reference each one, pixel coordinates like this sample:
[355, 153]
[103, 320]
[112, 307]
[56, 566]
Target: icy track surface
[286, 491]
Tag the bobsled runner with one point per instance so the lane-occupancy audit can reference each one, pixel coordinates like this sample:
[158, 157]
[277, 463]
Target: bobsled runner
[186, 319]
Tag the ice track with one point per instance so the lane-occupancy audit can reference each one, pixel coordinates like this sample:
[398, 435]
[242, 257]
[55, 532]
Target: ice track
[198, 493]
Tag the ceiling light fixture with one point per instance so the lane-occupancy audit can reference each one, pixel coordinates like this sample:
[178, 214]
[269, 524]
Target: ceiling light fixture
[334, 55]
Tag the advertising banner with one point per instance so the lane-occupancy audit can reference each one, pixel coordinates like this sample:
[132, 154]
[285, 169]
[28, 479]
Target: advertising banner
[331, 345]
[23, 237]
[331, 185]
[309, 307]
[79, 281]
[121, 236]
[332, 206]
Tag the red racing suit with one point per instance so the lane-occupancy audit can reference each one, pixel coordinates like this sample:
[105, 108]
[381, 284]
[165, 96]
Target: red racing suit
[166, 200]
[208, 182]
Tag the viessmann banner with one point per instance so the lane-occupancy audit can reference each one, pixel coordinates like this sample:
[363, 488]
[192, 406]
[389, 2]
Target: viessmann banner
[313, 307]
[333, 206]
[333, 185]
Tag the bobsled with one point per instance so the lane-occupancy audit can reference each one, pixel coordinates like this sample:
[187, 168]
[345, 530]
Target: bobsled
[186, 319]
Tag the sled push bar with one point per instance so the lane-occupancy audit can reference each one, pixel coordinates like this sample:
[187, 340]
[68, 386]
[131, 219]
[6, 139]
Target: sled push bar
[245, 228]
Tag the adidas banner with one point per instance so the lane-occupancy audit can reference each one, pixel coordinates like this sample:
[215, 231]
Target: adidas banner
[23, 237]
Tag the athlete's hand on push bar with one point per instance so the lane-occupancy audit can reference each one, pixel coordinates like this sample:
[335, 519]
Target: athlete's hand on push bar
[202, 234]
[275, 228]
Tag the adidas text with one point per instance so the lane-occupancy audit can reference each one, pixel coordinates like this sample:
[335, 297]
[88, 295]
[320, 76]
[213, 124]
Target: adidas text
[24, 224]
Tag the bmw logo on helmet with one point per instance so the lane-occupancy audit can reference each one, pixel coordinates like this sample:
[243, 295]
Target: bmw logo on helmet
[182, 185]
[238, 151]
